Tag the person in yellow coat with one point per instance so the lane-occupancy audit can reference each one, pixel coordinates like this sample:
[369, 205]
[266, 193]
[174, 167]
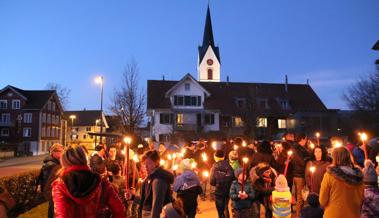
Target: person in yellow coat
[341, 193]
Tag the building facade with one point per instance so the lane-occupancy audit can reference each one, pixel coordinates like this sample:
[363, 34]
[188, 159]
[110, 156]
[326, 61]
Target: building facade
[206, 106]
[84, 127]
[31, 120]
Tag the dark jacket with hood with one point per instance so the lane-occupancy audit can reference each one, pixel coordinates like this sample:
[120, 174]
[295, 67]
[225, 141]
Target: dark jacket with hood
[222, 176]
[49, 171]
[263, 186]
[187, 186]
[299, 159]
[156, 189]
[78, 192]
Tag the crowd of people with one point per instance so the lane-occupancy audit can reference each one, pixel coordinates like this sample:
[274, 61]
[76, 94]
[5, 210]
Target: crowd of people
[293, 177]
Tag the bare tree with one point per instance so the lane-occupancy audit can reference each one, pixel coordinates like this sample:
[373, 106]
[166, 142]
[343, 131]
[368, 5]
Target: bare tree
[364, 94]
[128, 100]
[62, 92]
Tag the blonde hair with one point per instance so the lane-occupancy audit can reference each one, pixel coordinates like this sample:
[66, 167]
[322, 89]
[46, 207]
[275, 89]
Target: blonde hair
[342, 157]
[55, 147]
[74, 155]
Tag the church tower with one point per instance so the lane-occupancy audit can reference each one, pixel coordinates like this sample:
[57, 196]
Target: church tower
[209, 63]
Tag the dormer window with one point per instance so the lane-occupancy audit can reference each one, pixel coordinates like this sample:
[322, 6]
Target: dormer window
[187, 86]
[15, 104]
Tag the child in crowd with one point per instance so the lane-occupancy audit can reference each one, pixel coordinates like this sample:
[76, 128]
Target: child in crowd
[313, 210]
[371, 194]
[173, 210]
[188, 188]
[241, 200]
[281, 198]
[233, 160]
[264, 184]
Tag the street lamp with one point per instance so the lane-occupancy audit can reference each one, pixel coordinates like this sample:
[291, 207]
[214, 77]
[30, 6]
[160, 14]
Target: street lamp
[100, 80]
[72, 117]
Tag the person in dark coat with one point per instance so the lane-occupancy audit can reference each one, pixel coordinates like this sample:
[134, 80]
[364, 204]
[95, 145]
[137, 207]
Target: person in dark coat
[264, 154]
[299, 160]
[156, 188]
[49, 173]
[371, 194]
[221, 177]
[188, 188]
[313, 210]
[320, 163]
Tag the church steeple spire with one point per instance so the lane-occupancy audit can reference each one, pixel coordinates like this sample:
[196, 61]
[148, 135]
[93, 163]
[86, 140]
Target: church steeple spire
[209, 54]
[208, 31]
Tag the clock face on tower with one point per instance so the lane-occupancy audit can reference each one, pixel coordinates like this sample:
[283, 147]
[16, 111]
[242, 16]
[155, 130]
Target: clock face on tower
[210, 62]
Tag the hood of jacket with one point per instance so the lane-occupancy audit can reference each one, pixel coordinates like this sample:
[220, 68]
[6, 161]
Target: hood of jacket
[352, 176]
[160, 173]
[187, 180]
[49, 160]
[82, 186]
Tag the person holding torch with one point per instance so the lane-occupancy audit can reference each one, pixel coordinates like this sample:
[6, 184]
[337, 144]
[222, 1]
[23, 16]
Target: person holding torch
[242, 195]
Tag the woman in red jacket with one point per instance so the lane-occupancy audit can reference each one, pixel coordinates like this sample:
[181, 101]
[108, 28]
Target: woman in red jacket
[79, 193]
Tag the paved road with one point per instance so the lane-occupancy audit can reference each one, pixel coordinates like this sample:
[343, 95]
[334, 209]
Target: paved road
[20, 164]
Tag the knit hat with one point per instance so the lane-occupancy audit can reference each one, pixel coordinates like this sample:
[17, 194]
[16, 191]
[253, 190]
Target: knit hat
[313, 199]
[170, 211]
[281, 184]
[219, 155]
[369, 173]
[238, 171]
[261, 168]
[186, 164]
[233, 155]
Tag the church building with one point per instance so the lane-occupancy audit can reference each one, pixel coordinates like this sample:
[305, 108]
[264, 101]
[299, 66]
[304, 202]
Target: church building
[206, 107]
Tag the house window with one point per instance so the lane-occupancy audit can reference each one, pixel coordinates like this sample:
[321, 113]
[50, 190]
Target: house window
[43, 131]
[180, 119]
[49, 118]
[262, 122]
[263, 103]
[3, 104]
[27, 132]
[15, 104]
[88, 129]
[165, 118]
[209, 119]
[282, 124]
[53, 106]
[57, 120]
[210, 74]
[240, 103]
[48, 132]
[187, 100]
[5, 118]
[237, 122]
[5, 132]
[284, 104]
[43, 118]
[84, 136]
[49, 105]
[53, 132]
[52, 119]
[187, 86]
[27, 117]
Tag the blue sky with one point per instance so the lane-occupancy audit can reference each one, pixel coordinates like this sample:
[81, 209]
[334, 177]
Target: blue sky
[70, 42]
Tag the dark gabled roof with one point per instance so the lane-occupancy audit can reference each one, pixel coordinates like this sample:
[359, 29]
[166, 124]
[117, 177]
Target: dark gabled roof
[35, 99]
[84, 118]
[376, 46]
[114, 122]
[223, 96]
[208, 39]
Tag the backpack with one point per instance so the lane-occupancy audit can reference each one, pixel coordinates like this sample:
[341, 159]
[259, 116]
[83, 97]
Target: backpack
[223, 174]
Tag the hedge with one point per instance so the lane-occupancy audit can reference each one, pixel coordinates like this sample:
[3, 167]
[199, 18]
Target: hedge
[22, 188]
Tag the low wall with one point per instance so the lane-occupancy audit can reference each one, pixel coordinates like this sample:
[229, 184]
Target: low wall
[6, 154]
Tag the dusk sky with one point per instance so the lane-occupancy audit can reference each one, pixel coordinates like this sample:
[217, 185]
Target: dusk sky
[69, 42]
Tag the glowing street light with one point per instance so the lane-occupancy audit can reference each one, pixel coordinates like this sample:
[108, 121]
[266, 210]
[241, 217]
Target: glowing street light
[100, 80]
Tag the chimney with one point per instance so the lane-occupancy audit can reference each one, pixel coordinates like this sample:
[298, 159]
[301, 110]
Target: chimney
[286, 84]
[227, 78]
[163, 77]
[308, 82]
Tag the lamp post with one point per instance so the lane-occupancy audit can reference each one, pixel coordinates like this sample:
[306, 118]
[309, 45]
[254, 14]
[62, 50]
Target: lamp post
[100, 80]
[72, 117]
